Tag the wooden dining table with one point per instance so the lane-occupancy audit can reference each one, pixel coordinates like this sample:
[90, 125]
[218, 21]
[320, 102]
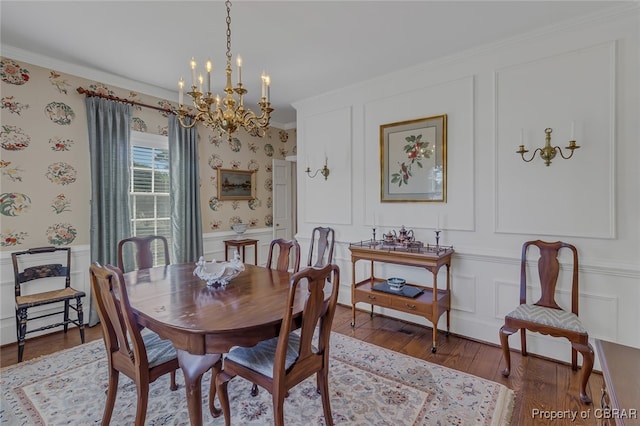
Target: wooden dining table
[205, 321]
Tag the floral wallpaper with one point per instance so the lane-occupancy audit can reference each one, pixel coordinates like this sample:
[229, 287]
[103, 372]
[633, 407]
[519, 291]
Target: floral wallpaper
[45, 184]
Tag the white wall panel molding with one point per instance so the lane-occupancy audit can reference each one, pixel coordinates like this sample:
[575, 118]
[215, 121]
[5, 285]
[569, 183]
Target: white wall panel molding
[550, 92]
[454, 97]
[326, 135]
[610, 268]
[213, 244]
[463, 292]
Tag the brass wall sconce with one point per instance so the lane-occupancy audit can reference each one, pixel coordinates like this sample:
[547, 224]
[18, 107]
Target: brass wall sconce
[324, 171]
[548, 152]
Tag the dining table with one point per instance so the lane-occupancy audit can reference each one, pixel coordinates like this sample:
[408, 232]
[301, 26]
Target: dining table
[205, 321]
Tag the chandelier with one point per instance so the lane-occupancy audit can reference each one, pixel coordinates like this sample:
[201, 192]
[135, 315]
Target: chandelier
[228, 114]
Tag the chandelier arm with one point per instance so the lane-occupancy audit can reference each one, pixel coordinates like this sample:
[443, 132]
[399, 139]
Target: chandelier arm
[187, 126]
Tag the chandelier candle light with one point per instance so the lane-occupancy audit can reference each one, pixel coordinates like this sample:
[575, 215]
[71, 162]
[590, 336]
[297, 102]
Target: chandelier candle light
[227, 114]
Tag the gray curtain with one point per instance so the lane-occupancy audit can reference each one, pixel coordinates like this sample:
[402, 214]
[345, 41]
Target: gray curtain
[109, 126]
[186, 224]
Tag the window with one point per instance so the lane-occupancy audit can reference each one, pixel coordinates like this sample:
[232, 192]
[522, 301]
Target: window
[149, 191]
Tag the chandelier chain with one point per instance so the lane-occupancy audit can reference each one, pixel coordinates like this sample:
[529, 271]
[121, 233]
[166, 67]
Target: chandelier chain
[228, 4]
[227, 113]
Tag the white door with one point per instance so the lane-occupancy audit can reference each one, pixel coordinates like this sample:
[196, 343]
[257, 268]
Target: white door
[282, 200]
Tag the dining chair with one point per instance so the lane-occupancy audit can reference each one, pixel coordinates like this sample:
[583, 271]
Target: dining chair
[545, 316]
[38, 284]
[280, 363]
[144, 249]
[284, 248]
[283, 263]
[324, 239]
[143, 357]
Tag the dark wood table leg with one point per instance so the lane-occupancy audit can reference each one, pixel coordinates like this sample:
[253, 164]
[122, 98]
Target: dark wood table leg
[255, 253]
[193, 367]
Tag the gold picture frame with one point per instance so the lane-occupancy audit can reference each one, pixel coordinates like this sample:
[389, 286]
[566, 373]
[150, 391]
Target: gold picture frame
[236, 184]
[413, 160]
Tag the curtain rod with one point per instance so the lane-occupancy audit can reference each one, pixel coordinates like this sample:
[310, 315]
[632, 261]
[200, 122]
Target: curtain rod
[90, 93]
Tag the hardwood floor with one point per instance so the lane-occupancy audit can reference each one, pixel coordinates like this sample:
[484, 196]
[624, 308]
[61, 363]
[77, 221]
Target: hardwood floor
[540, 384]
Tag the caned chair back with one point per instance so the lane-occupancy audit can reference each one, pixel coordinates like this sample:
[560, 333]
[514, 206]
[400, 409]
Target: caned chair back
[284, 251]
[322, 240]
[143, 248]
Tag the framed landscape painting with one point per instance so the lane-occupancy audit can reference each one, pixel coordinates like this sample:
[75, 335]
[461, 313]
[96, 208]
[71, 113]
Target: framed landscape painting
[413, 160]
[236, 184]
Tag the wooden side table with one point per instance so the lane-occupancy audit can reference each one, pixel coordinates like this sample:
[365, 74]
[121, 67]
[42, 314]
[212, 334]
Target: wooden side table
[620, 402]
[241, 244]
[430, 304]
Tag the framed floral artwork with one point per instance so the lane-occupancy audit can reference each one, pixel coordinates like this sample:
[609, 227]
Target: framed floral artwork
[413, 160]
[236, 184]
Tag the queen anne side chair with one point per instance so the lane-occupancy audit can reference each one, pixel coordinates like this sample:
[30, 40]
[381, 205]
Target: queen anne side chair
[281, 363]
[285, 249]
[545, 316]
[143, 248]
[142, 358]
[322, 240]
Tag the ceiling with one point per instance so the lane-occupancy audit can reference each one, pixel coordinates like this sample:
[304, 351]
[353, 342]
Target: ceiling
[308, 47]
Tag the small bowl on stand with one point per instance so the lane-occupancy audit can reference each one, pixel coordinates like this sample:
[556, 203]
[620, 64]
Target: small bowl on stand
[239, 229]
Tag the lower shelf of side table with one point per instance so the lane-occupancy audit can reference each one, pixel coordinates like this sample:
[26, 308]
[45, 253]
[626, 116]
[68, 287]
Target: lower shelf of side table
[421, 305]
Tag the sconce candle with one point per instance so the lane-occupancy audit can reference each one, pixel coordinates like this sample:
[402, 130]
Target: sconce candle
[573, 131]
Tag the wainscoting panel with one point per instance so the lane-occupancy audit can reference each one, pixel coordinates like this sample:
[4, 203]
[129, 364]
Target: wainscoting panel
[456, 99]
[327, 137]
[463, 292]
[531, 198]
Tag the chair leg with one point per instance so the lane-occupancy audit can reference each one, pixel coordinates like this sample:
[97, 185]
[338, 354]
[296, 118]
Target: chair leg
[504, 342]
[173, 386]
[222, 380]
[22, 331]
[215, 370]
[323, 385]
[523, 341]
[574, 359]
[66, 315]
[80, 318]
[112, 390]
[143, 398]
[278, 407]
[587, 367]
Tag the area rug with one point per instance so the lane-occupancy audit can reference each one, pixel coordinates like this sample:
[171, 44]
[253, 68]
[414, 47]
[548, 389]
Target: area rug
[369, 385]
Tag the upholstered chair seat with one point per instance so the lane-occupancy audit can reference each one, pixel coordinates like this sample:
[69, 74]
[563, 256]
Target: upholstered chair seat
[262, 356]
[159, 350]
[556, 318]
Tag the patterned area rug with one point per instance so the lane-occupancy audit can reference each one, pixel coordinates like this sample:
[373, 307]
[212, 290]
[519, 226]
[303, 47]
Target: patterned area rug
[369, 385]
